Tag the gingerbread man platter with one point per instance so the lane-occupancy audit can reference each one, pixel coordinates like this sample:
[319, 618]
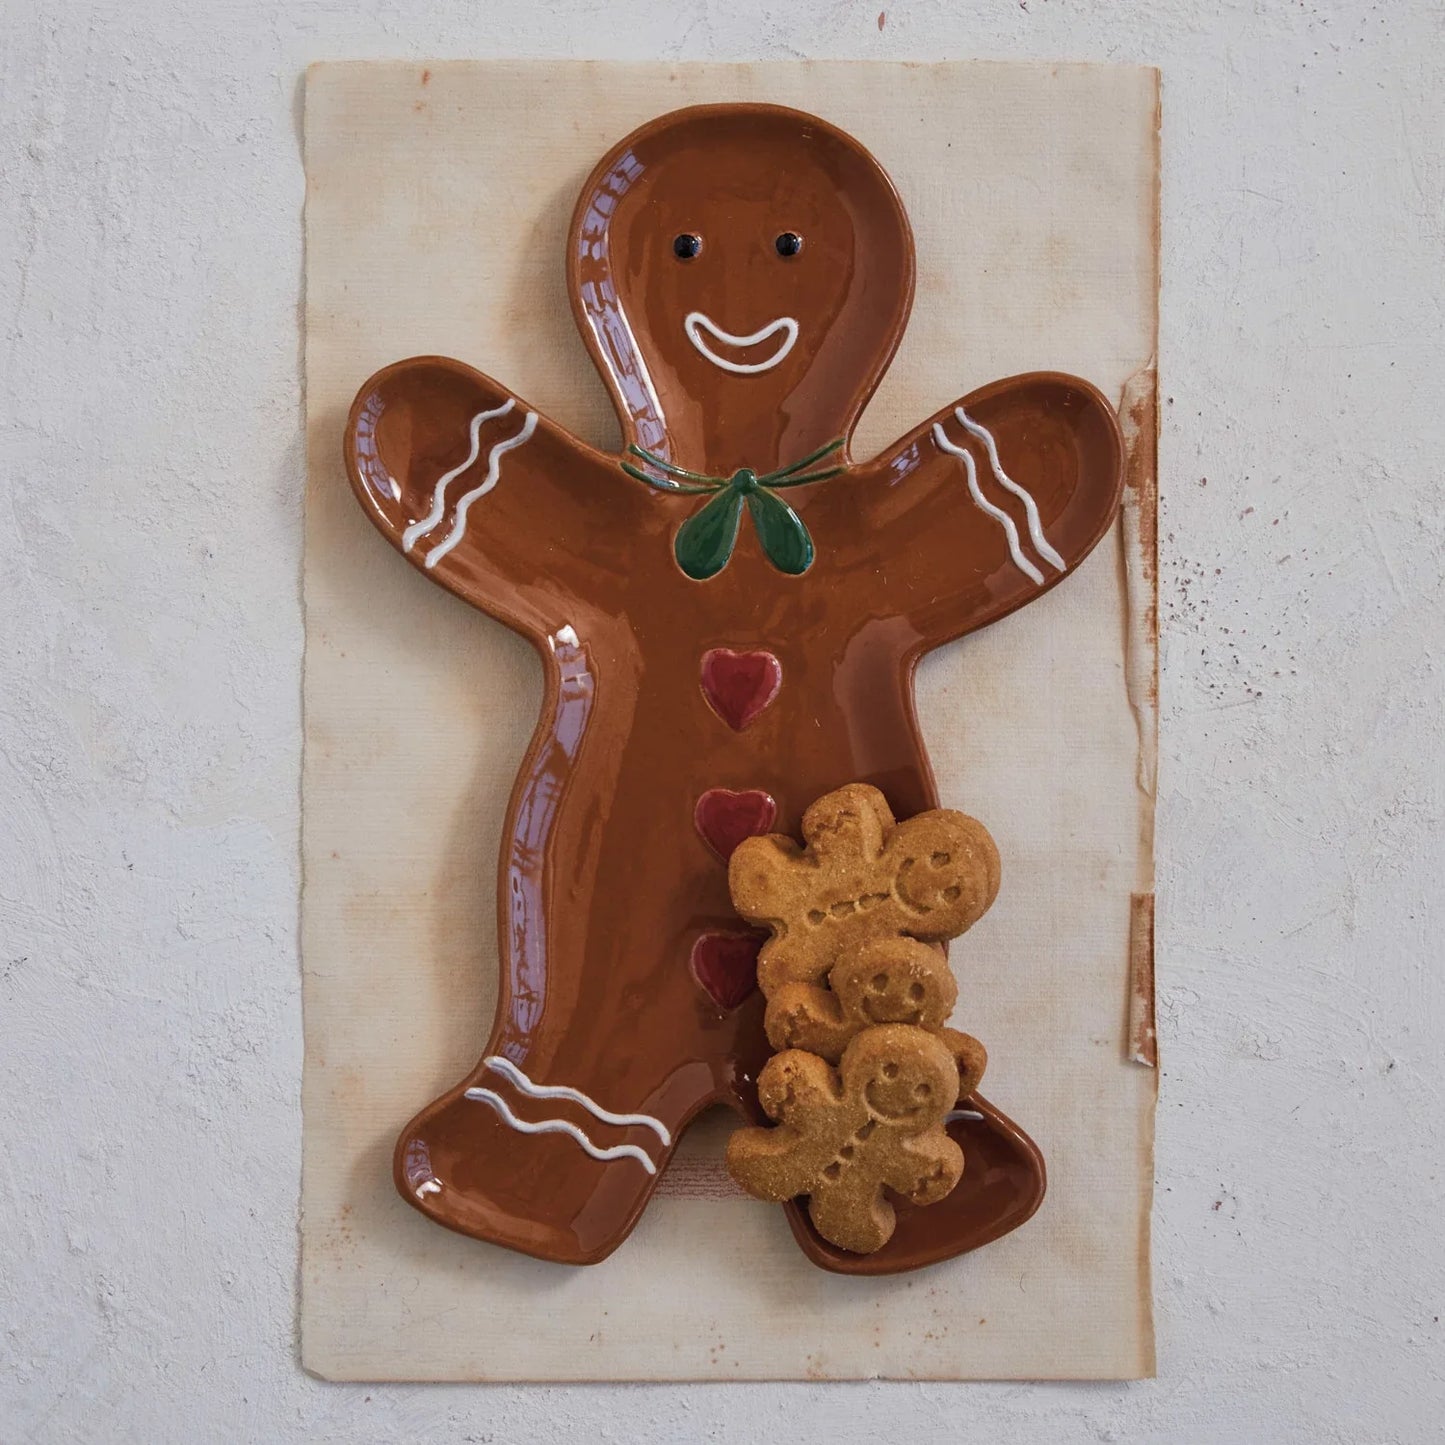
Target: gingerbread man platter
[728, 611]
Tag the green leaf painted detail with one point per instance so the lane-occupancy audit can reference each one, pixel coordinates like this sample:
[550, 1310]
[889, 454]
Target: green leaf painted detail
[704, 543]
[706, 540]
[781, 531]
[662, 484]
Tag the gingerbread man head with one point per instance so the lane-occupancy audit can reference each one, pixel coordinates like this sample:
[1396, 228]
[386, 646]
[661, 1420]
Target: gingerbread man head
[742, 276]
[906, 1079]
[888, 981]
[896, 980]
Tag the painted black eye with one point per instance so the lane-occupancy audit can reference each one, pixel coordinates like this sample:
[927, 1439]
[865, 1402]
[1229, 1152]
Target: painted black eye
[686, 246]
[789, 243]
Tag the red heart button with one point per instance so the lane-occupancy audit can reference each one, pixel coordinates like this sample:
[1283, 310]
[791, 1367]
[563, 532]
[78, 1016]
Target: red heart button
[724, 818]
[726, 965]
[739, 685]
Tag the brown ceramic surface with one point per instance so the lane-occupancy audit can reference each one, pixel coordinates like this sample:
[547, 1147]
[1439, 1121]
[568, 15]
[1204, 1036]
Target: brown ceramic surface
[622, 959]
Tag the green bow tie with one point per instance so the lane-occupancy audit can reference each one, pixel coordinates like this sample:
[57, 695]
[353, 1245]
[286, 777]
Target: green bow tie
[705, 542]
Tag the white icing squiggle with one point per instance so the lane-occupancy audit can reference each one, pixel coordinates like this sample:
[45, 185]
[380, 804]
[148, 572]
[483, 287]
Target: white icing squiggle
[695, 322]
[562, 1091]
[1036, 527]
[1000, 516]
[494, 471]
[561, 1126]
[438, 497]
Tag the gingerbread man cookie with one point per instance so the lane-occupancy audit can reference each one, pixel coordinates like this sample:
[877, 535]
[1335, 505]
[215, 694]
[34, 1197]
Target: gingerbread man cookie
[845, 1136]
[892, 981]
[859, 878]
[728, 611]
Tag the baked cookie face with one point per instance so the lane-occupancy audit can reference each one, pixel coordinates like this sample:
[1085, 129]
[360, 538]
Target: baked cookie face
[935, 877]
[905, 1077]
[896, 981]
[892, 981]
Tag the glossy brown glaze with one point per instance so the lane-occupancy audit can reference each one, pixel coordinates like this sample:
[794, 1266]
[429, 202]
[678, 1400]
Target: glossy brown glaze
[623, 965]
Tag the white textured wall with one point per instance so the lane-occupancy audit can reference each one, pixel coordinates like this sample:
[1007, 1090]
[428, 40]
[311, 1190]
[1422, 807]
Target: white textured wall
[150, 445]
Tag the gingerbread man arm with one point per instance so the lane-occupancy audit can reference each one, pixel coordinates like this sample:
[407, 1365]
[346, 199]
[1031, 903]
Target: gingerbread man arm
[971, 1057]
[992, 501]
[486, 497]
[808, 1016]
[782, 1162]
[925, 1169]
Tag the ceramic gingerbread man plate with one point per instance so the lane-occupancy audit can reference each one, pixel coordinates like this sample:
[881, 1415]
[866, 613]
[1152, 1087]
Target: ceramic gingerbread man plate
[728, 611]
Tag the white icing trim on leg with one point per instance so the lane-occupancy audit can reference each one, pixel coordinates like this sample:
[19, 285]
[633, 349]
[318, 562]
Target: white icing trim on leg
[561, 1126]
[561, 1091]
[1000, 516]
[494, 471]
[419, 529]
[1036, 526]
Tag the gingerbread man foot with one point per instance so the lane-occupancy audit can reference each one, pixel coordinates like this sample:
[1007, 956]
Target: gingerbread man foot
[540, 1167]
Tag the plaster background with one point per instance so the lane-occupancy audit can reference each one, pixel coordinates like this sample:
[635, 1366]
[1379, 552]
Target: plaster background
[416, 713]
[150, 440]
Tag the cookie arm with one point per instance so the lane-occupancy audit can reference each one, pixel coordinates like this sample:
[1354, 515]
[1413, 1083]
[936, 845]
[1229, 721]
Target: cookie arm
[992, 501]
[925, 1168]
[485, 496]
[970, 1056]
[807, 1016]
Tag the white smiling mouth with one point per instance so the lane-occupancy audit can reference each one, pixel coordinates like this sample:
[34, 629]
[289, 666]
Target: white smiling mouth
[696, 323]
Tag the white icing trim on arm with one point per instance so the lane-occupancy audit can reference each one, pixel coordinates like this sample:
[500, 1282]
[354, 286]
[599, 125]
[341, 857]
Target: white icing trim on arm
[561, 1126]
[494, 471]
[1000, 516]
[695, 321]
[419, 529]
[1036, 527]
[509, 1070]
